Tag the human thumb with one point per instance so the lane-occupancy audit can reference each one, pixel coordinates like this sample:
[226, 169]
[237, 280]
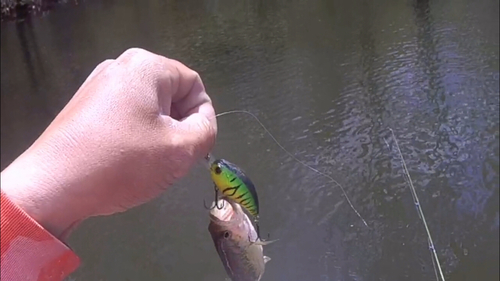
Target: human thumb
[198, 134]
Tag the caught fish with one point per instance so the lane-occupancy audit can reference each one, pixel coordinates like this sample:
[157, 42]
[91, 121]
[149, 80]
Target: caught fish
[236, 242]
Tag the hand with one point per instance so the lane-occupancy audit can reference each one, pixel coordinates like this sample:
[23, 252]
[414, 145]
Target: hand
[135, 126]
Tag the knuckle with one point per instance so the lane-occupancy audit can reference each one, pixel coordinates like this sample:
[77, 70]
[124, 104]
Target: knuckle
[191, 73]
[196, 76]
[132, 52]
[138, 58]
[105, 63]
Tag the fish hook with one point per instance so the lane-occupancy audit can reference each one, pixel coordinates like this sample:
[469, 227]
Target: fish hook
[206, 207]
[216, 201]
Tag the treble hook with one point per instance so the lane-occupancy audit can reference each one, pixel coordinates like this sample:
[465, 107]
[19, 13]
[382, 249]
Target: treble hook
[216, 201]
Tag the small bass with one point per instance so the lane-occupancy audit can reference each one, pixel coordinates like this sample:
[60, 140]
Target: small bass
[236, 242]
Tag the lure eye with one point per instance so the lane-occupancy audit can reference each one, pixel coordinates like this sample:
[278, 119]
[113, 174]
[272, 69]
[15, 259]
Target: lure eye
[218, 170]
[227, 234]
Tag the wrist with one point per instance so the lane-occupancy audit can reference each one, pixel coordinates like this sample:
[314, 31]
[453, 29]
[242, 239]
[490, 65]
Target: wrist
[28, 186]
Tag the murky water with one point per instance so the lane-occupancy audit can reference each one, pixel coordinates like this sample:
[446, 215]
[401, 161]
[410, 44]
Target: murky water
[327, 78]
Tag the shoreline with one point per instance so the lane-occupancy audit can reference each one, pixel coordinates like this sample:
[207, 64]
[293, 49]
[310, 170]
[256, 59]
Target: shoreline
[14, 10]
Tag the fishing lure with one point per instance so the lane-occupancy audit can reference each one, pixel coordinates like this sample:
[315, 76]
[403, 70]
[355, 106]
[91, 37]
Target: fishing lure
[232, 183]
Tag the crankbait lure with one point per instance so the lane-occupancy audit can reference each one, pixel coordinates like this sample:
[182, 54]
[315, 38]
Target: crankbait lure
[232, 183]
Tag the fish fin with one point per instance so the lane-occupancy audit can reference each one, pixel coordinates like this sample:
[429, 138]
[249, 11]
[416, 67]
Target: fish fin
[266, 259]
[264, 243]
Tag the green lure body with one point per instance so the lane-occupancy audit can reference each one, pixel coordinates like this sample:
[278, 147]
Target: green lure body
[232, 183]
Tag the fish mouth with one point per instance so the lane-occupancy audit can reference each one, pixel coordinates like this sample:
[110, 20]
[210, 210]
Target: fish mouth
[226, 213]
[223, 214]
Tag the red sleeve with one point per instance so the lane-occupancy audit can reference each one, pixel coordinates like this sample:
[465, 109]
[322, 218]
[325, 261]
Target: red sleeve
[28, 251]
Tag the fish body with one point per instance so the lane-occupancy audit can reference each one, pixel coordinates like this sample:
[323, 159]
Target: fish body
[236, 242]
[233, 183]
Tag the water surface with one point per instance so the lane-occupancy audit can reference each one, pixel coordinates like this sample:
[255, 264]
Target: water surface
[327, 78]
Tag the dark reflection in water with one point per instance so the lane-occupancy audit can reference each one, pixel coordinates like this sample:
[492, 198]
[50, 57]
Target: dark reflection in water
[327, 78]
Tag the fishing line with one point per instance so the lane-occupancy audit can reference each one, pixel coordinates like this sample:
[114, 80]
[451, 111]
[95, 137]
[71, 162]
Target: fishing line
[435, 259]
[296, 159]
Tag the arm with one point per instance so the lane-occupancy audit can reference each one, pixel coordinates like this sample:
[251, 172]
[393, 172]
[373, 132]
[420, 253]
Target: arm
[134, 127]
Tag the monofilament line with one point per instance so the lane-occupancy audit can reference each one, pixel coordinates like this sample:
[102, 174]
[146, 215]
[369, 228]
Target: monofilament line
[296, 159]
[435, 261]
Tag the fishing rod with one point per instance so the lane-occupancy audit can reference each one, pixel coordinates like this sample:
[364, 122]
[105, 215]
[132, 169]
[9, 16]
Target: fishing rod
[420, 212]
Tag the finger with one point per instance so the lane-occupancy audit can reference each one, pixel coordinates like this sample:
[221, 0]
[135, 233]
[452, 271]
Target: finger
[178, 84]
[190, 92]
[194, 135]
[175, 114]
[191, 97]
